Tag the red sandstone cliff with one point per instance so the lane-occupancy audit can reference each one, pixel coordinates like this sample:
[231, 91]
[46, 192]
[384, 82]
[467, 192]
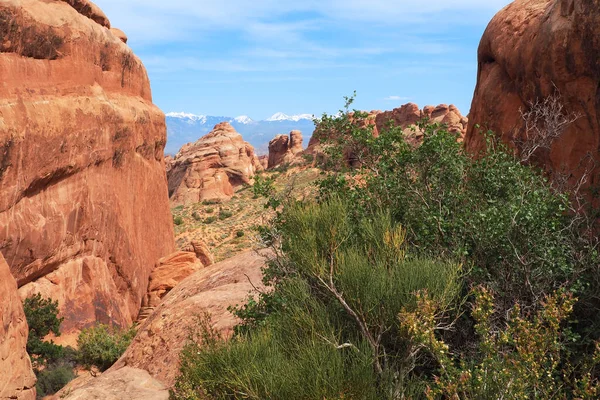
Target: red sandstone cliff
[84, 211]
[17, 380]
[531, 50]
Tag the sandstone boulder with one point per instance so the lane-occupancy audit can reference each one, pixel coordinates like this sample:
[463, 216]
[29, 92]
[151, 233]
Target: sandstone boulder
[125, 384]
[533, 49]
[211, 290]
[169, 272]
[213, 167]
[202, 252]
[17, 380]
[84, 207]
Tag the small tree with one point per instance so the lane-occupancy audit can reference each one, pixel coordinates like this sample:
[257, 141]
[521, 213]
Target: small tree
[42, 318]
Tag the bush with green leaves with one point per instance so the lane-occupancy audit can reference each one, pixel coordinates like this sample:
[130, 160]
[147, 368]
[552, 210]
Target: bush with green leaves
[502, 218]
[210, 220]
[527, 358]
[102, 345]
[225, 214]
[333, 332]
[53, 378]
[178, 220]
[369, 295]
[42, 319]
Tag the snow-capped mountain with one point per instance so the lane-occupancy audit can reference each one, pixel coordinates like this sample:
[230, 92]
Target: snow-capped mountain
[284, 117]
[184, 128]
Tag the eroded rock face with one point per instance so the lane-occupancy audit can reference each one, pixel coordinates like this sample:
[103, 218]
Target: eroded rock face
[84, 211]
[202, 251]
[169, 272]
[163, 335]
[124, 384]
[284, 149]
[17, 380]
[409, 115]
[212, 167]
[533, 49]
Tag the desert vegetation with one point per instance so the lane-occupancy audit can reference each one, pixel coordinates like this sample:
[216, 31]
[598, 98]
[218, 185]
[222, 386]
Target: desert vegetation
[99, 347]
[420, 272]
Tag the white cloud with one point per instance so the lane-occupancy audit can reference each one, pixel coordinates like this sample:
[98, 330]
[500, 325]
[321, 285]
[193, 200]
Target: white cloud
[396, 98]
[159, 20]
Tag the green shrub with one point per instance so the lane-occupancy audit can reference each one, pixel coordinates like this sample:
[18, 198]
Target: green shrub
[225, 214]
[102, 345]
[211, 202]
[240, 234]
[178, 220]
[501, 217]
[209, 210]
[324, 332]
[196, 216]
[53, 378]
[42, 319]
[526, 359]
[210, 220]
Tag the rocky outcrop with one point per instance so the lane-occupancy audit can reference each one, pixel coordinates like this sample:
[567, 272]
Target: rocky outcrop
[409, 115]
[169, 272]
[17, 380]
[125, 384]
[406, 117]
[120, 34]
[84, 211]
[264, 161]
[533, 49]
[213, 167]
[284, 149]
[211, 290]
[202, 252]
[90, 10]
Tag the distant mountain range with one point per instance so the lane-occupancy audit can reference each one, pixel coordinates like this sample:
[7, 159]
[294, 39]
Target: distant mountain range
[185, 128]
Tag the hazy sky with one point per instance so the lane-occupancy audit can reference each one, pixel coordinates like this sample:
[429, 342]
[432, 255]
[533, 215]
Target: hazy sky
[258, 57]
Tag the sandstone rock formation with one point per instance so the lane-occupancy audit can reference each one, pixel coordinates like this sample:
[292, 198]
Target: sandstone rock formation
[264, 161]
[125, 384]
[202, 252]
[212, 167]
[533, 49]
[409, 114]
[169, 272]
[17, 380]
[406, 117]
[213, 289]
[284, 149]
[84, 211]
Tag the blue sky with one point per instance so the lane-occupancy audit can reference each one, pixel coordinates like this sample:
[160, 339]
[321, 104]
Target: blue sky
[258, 57]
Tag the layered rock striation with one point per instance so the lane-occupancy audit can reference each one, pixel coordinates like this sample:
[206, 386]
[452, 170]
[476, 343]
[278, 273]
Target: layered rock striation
[213, 167]
[84, 210]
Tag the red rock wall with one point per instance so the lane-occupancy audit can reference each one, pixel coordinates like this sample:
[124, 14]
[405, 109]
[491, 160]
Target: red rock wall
[84, 211]
[529, 50]
[17, 380]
